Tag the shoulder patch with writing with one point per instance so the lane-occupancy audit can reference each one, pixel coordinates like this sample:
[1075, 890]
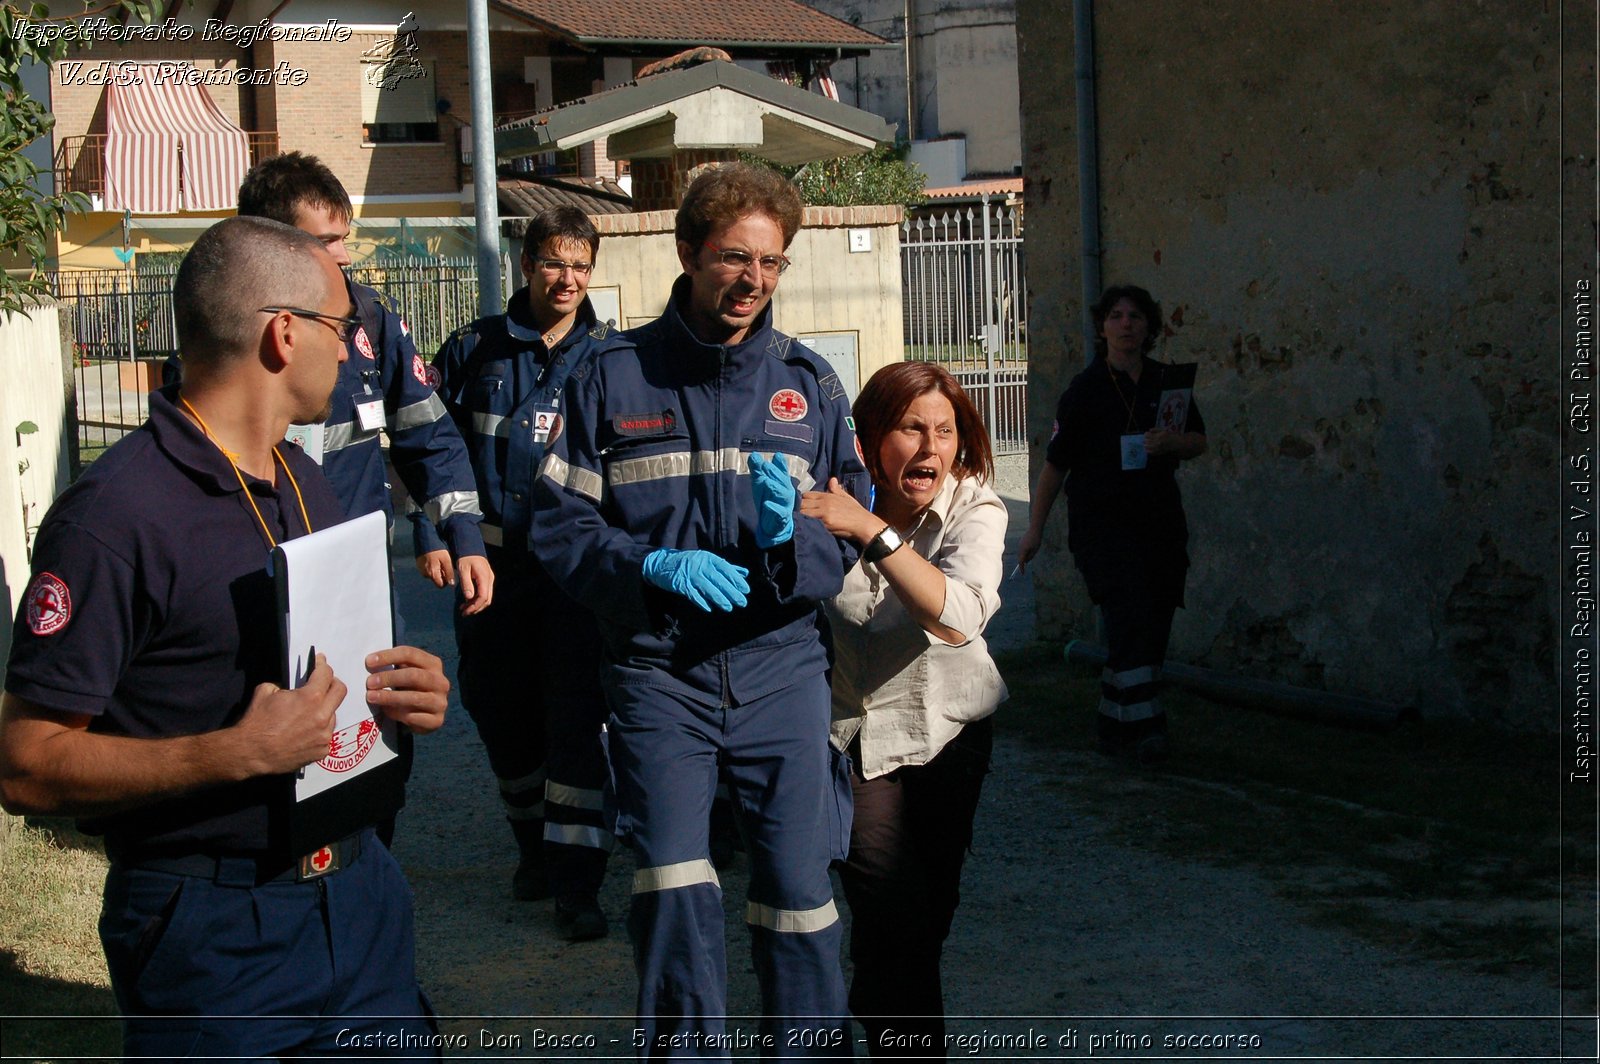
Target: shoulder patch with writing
[49, 604]
[364, 343]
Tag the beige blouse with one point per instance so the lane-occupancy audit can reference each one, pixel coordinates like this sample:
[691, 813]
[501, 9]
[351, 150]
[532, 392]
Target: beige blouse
[904, 690]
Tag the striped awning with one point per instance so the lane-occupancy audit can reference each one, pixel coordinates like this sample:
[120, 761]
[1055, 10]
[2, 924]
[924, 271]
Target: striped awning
[160, 122]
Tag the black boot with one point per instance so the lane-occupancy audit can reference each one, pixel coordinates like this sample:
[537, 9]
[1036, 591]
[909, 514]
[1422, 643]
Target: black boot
[528, 882]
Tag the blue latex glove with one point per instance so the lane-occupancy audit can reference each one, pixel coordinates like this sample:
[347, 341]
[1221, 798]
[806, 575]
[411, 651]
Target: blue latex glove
[699, 576]
[775, 498]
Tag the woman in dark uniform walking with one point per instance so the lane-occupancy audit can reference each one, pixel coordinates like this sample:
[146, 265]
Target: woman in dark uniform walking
[1125, 522]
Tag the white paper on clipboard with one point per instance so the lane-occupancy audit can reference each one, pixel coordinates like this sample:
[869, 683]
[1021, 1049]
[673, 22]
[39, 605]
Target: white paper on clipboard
[334, 585]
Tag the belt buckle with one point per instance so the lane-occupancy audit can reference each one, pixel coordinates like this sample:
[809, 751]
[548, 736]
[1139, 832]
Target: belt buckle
[319, 863]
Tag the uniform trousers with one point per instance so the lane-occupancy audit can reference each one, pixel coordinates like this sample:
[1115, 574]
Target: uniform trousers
[791, 800]
[224, 967]
[912, 830]
[1137, 630]
[530, 679]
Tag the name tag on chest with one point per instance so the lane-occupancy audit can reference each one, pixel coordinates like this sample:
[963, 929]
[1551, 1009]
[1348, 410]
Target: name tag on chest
[369, 413]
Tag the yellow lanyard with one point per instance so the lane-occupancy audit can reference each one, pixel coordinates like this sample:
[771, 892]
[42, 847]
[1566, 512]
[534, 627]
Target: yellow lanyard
[1130, 424]
[265, 531]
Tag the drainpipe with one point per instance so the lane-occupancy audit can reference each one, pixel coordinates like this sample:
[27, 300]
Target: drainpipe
[1327, 707]
[1088, 166]
[911, 71]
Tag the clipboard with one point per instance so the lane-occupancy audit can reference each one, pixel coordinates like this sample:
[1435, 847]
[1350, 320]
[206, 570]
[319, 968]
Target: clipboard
[334, 599]
[1177, 392]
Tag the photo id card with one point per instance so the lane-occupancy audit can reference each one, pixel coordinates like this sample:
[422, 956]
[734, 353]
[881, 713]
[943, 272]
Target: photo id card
[369, 414]
[544, 423]
[1134, 455]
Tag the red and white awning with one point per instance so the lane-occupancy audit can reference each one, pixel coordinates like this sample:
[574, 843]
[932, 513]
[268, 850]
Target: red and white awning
[157, 121]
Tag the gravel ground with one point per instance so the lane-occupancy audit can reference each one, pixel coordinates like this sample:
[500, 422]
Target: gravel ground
[1067, 944]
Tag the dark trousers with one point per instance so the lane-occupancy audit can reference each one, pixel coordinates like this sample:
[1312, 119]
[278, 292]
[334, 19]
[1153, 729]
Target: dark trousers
[529, 676]
[1137, 630]
[222, 967]
[902, 881]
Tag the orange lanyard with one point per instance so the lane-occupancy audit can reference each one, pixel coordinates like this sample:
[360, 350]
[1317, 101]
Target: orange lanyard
[1130, 424]
[249, 497]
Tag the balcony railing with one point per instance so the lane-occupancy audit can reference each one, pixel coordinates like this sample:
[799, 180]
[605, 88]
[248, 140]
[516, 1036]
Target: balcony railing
[81, 161]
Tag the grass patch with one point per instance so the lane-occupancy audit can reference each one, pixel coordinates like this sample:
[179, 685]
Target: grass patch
[51, 965]
[1370, 831]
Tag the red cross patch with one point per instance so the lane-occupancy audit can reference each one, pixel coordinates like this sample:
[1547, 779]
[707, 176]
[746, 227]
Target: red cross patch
[432, 377]
[49, 604]
[322, 859]
[364, 343]
[859, 452]
[419, 370]
[787, 404]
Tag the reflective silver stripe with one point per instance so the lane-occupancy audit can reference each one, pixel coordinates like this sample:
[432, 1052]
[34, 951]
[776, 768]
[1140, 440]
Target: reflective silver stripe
[581, 481]
[491, 425]
[792, 920]
[1135, 711]
[418, 414]
[578, 835]
[673, 876]
[573, 797]
[451, 503]
[698, 463]
[1131, 677]
[491, 534]
[533, 781]
[338, 437]
[525, 812]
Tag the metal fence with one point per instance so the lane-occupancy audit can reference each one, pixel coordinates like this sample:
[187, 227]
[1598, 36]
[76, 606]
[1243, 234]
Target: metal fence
[965, 299]
[123, 328]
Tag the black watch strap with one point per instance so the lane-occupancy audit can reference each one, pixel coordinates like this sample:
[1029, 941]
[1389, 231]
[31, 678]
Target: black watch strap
[882, 545]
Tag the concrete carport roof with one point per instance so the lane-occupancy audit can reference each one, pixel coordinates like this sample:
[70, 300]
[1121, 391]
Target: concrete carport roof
[714, 105]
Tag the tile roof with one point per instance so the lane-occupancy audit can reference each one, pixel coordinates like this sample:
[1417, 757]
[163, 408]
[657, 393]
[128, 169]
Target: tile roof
[522, 196]
[976, 188]
[779, 24]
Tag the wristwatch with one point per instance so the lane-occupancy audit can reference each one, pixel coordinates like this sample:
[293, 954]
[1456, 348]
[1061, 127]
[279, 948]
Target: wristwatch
[883, 544]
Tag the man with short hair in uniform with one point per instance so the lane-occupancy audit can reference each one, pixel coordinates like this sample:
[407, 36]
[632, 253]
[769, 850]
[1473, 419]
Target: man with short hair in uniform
[383, 385]
[667, 506]
[140, 695]
[501, 379]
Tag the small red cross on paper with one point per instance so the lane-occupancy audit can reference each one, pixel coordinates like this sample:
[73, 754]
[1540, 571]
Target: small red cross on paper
[322, 859]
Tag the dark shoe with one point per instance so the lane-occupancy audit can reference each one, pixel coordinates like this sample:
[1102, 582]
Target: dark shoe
[580, 918]
[528, 882]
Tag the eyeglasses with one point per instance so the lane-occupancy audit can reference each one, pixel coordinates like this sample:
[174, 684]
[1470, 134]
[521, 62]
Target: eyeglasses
[556, 267]
[343, 328]
[771, 265]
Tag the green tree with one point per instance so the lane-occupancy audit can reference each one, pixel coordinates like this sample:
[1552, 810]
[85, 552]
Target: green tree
[29, 218]
[878, 176]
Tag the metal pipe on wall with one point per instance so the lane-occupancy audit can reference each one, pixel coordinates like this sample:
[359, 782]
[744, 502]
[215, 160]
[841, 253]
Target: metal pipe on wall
[1088, 165]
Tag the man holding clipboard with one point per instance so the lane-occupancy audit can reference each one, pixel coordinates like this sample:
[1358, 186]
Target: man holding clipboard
[142, 691]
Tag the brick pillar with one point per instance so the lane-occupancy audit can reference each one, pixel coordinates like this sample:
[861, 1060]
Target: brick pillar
[659, 184]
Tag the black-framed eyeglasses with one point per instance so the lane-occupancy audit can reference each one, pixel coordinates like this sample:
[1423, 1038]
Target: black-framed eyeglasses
[771, 265]
[557, 267]
[343, 328]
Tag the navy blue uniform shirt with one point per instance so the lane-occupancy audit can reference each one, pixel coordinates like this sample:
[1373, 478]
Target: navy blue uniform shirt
[151, 611]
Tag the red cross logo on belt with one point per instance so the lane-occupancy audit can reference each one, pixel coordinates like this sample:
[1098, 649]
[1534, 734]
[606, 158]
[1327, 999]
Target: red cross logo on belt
[787, 405]
[322, 859]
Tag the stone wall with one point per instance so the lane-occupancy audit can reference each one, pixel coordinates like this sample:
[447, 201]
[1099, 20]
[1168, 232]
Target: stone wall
[1350, 216]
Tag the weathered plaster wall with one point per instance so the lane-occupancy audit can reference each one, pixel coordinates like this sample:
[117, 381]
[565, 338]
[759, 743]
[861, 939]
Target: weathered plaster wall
[1349, 214]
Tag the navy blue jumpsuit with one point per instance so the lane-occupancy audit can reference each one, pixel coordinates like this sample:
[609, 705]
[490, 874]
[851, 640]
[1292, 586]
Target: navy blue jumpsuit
[502, 388]
[653, 455]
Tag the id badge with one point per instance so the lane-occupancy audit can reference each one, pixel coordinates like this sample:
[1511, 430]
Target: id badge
[544, 422]
[1134, 456]
[308, 438]
[369, 414]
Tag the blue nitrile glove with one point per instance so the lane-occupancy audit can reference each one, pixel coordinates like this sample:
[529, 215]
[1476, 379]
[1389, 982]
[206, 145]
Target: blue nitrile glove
[699, 576]
[775, 497]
